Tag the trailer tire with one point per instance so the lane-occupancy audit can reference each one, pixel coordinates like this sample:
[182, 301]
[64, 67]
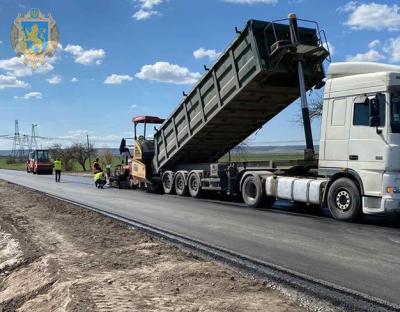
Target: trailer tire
[344, 200]
[252, 192]
[168, 182]
[181, 187]
[194, 184]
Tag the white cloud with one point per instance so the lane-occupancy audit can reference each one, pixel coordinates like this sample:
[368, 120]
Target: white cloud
[202, 53]
[75, 134]
[80, 135]
[369, 56]
[144, 14]
[74, 79]
[30, 95]
[374, 43]
[85, 57]
[392, 47]
[11, 82]
[117, 79]
[372, 15]
[166, 72]
[149, 4]
[252, 1]
[54, 80]
[1, 42]
[15, 66]
[134, 106]
[146, 9]
[329, 46]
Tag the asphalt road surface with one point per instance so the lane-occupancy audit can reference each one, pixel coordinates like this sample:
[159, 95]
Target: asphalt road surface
[363, 257]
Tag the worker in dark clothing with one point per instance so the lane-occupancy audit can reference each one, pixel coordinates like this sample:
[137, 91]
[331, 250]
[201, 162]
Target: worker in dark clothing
[96, 166]
[57, 165]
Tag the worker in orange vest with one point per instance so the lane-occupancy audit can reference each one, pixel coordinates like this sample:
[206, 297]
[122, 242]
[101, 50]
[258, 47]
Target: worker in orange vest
[96, 166]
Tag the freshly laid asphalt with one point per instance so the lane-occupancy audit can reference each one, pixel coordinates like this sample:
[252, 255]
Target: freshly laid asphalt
[363, 257]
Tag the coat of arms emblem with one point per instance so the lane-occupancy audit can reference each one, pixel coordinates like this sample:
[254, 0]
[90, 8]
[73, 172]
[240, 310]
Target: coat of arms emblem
[34, 37]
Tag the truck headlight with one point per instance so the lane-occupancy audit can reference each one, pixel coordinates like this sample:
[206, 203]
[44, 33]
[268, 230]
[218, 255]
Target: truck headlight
[392, 189]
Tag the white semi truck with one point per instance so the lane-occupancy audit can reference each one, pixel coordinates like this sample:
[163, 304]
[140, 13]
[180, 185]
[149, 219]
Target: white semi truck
[359, 153]
[267, 67]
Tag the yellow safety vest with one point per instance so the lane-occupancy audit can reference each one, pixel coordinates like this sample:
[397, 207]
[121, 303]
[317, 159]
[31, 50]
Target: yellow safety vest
[99, 176]
[57, 165]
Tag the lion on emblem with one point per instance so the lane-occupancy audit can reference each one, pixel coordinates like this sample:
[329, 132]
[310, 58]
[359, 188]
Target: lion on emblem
[36, 39]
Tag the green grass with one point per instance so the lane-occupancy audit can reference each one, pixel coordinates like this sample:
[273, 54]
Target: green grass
[16, 166]
[76, 167]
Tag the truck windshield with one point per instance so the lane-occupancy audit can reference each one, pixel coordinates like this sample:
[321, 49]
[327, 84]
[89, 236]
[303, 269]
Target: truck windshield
[42, 155]
[395, 112]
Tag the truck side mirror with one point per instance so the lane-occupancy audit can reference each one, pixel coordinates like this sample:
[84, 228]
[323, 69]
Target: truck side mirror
[374, 119]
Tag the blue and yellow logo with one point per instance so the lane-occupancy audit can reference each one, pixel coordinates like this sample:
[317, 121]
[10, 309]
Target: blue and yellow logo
[34, 37]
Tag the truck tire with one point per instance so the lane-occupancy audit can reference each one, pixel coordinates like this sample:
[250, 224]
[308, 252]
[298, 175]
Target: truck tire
[252, 192]
[344, 200]
[194, 184]
[168, 182]
[181, 187]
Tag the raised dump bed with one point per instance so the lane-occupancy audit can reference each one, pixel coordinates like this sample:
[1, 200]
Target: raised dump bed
[252, 81]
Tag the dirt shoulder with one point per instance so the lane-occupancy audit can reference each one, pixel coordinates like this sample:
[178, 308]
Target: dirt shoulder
[58, 257]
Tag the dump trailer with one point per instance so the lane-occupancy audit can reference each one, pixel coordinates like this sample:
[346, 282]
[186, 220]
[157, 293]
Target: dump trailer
[266, 68]
[252, 81]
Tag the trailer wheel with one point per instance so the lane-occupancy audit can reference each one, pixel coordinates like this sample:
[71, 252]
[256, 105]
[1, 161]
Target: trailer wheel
[181, 187]
[168, 182]
[252, 192]
[194, 184]
[344, 200]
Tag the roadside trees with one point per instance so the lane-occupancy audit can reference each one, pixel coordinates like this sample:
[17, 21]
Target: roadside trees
[65, 154]
[82, 152]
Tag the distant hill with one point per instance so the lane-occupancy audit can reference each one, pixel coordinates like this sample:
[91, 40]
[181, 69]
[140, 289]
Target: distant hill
[5, 153]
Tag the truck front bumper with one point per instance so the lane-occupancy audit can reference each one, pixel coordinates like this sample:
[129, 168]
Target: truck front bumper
[381, 205]
[389, 202]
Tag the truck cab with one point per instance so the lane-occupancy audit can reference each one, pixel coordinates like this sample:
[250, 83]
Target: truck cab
[360, 133]
[39, 162]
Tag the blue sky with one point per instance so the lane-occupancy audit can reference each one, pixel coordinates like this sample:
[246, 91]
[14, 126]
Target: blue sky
[122, 58]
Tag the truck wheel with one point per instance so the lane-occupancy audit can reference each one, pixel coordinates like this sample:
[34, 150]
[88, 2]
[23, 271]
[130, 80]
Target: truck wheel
[344, 200]
[252, 192]
[181, 187]
[194, 184]
[168, 182]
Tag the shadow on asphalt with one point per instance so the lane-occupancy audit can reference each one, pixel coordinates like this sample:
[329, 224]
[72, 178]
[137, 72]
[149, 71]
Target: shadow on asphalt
[285, 207]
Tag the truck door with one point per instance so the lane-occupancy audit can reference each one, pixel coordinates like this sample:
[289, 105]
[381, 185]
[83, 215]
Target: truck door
[367, 144]
[337, 133]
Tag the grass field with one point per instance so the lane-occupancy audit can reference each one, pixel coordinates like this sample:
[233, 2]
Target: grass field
[17, 166]
[76, 167]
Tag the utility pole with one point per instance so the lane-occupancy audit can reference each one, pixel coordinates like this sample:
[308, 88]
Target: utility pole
[88, 150]
[17, 149]
[33, 143]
